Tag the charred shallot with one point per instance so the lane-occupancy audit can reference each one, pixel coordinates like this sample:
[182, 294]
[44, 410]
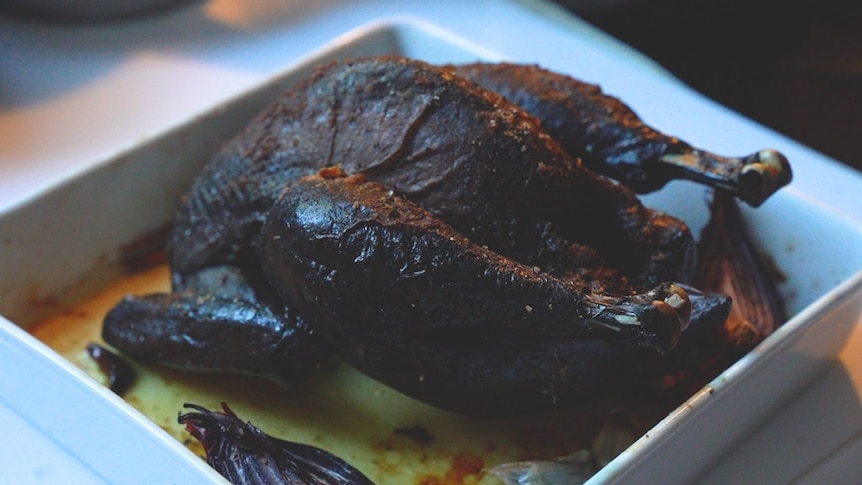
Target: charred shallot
[119, 373]
[729, 263]
[245, 455]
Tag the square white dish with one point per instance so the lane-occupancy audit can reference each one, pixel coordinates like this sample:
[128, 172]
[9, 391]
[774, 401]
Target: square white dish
[67, 242]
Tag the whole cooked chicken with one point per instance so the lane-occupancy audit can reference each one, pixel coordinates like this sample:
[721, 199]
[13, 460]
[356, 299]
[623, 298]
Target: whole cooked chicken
[429, 232]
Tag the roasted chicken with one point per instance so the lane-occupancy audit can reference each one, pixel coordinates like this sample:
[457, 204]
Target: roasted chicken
[431, 233]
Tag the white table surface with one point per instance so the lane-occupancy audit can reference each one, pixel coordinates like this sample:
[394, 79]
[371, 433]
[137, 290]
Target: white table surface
[72, 96]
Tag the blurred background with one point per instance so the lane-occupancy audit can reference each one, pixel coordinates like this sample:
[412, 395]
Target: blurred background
[793, 66]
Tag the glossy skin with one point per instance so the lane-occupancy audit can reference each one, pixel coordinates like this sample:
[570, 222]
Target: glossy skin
[439, 317]
[472, 261]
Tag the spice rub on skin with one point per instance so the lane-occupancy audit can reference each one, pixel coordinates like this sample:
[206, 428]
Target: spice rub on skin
[529, 264]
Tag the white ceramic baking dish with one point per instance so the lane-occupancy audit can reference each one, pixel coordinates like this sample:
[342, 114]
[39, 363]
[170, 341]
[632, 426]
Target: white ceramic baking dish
[67, 243]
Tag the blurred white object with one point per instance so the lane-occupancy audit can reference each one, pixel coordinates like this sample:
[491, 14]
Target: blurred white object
[86, 10]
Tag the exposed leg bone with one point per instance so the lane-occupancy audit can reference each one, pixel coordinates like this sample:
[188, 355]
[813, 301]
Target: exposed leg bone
[752, 179]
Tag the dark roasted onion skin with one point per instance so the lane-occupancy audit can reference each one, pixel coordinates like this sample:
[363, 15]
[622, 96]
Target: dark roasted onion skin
[244, 454]
[729, 263]
[120, 374]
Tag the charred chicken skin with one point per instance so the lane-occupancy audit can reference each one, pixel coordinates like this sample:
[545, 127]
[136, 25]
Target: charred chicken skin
[612, 139]
[429, 232]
